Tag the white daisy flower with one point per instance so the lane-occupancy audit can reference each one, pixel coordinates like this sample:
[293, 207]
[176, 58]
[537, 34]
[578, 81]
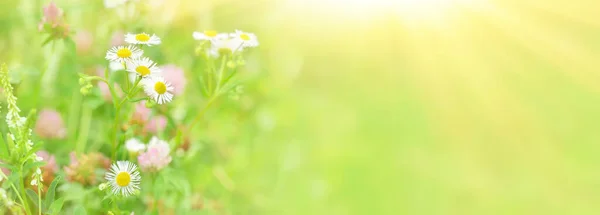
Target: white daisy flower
[159, 90]
[209, 35]
[134, 145]
[142, 38]
[248, 39]
[225, 46]
[143, 67]
[123, 178]
[123, 54]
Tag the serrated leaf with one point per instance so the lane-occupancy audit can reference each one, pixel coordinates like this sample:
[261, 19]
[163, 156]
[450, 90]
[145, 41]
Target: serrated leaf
[56, 206]
[33, 196]
[51, 192]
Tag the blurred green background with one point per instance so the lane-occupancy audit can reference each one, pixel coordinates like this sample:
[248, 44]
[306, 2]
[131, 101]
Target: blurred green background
[372, 106]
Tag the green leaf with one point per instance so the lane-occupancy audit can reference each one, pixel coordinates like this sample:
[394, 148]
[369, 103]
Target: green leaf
[33, 165]
[49, 39]
[51, 192]
[8, 166]
[33, 196]
[5, 149]
[56, 206]
[70, 44]
[80, 210]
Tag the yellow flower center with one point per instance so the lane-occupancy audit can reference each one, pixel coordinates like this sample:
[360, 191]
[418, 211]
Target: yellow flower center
[160, 87]
[142, 70]
[245, 37]
[124, 53]
[210, 33]
[123, 179]
[142, 37]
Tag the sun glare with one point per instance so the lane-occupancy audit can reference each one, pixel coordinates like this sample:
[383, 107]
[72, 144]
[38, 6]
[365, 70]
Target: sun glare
[410, 10]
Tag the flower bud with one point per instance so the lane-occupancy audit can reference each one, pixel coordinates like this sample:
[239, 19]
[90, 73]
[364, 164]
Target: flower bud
[82, 81]
[150, 103]
[199, 51]
[102, 187]
[84, 91]
[231, 64]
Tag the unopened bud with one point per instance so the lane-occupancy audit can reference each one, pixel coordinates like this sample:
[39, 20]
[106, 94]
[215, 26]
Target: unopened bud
[82, 81]
[150, 103]
[231, 64]
[102, 187]
[84, 90]
[199, 51]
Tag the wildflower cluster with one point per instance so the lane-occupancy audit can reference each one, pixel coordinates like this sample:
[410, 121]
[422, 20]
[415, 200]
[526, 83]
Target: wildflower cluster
[222, 44]
[147, 128]
[20, 157]
[142, 68]
[223, 54]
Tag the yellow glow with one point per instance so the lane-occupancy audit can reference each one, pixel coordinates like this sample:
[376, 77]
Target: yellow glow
[423, 9]
[411, 10]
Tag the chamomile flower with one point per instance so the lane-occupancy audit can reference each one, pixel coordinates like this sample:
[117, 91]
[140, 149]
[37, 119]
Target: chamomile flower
[134, 145]
[123, 178]
[209, 35]
[225, 46]
[159, 90]
[143, 39]
[123, 54]
[143, 67]
[248, 39]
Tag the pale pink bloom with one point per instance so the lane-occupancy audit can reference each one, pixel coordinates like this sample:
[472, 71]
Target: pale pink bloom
[141, 113]
[52, 14]
[175, 76]
[156, 124]
[84, 41]
[50, 125]
[105, 91]
[156, 156]
[118, 38]
[83, 167]
[152, 124]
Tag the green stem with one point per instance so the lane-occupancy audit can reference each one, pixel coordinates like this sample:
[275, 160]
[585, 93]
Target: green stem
[221, 73]
[209, 80]
[117, 116]
[199, 116]
[39, 198]
[116, 131]
[12, 185]
[25, 203]
[86, 119]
